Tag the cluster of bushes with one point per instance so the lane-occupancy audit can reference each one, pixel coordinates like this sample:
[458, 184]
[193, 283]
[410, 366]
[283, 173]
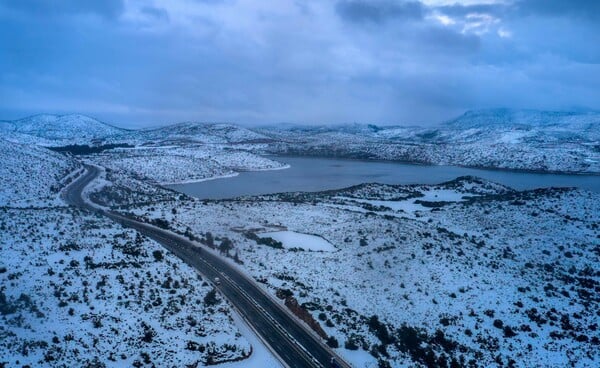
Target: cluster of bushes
[269, 242]
[158, 222]
[428, 350]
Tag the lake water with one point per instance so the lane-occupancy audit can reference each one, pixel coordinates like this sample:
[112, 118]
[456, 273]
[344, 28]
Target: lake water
[316, 174]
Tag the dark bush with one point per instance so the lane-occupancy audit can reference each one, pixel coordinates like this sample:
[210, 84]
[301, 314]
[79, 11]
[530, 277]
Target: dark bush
[508, 332]
[332, 342]
[158, 255]
[351, 344]
[498, 323]
[210, 298]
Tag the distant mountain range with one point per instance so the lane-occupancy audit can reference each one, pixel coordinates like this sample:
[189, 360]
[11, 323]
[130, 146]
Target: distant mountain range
[500, 138]
[497, 138]
[59, 130]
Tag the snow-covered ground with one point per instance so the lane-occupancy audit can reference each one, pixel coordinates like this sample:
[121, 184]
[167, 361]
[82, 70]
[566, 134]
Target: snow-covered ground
[32, 176]
[292, 239]
[171, 165]
[468, 272]
[478, 273]
[77, 289]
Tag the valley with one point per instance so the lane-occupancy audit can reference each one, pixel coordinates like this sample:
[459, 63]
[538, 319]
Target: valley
[455, 270]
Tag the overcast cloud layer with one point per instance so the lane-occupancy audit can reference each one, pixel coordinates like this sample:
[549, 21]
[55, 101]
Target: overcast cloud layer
[138, 62]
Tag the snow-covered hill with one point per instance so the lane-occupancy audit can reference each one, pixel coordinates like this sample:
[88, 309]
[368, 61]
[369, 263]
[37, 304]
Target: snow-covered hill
[31, 175]
[501, 138]
[201, 133]
[56, 130]
[528, 125]
[525, 118]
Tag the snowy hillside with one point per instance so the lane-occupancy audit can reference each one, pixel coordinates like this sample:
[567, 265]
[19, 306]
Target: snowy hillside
[467, 272]
[86, 292]
[170, 165]
[525, 118]
[530, 125]
[31, 175]
[77, 289]
[56, 130]
[506, 139]
[201, 133]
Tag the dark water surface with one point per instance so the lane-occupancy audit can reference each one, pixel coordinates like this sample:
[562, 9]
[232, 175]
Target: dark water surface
[316, 174]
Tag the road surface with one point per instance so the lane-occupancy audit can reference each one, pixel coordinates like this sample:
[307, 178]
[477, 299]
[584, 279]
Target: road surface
[288, 337]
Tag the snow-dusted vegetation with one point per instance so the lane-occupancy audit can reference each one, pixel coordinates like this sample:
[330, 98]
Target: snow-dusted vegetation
[469, 272]
[79, 290]
[57, 130]
[32, 176]
[86, 291]
[169, 165]
[201, 133]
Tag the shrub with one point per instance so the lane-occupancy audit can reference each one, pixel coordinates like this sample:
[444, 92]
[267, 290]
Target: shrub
[210, 298]
[350, 344]
[158, 255]
[332, 342]
[149, 333]
[498, 323]
[508, 332]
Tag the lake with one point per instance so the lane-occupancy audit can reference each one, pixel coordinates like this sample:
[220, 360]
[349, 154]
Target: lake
[316, 174]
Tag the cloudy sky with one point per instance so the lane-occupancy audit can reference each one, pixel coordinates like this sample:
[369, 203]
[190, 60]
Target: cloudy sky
[140, 62]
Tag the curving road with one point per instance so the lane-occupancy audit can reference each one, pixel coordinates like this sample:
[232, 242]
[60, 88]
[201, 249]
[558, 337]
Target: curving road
[286, 336]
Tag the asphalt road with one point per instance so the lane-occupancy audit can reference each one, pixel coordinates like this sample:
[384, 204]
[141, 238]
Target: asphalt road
[288, 337]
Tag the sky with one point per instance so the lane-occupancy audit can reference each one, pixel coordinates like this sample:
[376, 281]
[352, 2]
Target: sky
[142, 63]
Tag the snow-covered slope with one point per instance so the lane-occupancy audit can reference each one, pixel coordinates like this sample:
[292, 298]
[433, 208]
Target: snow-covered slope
[170, 165]
[501, 138]
[78, 290]
[528, 125]
[466, 273]
[201, 133]
[31, 175]
[54, 130]
[529, 118]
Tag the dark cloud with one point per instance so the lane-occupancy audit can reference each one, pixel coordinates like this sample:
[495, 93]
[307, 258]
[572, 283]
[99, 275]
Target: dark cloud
[294, 60]
[109, 9]
[582, 9]
[360, 11]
